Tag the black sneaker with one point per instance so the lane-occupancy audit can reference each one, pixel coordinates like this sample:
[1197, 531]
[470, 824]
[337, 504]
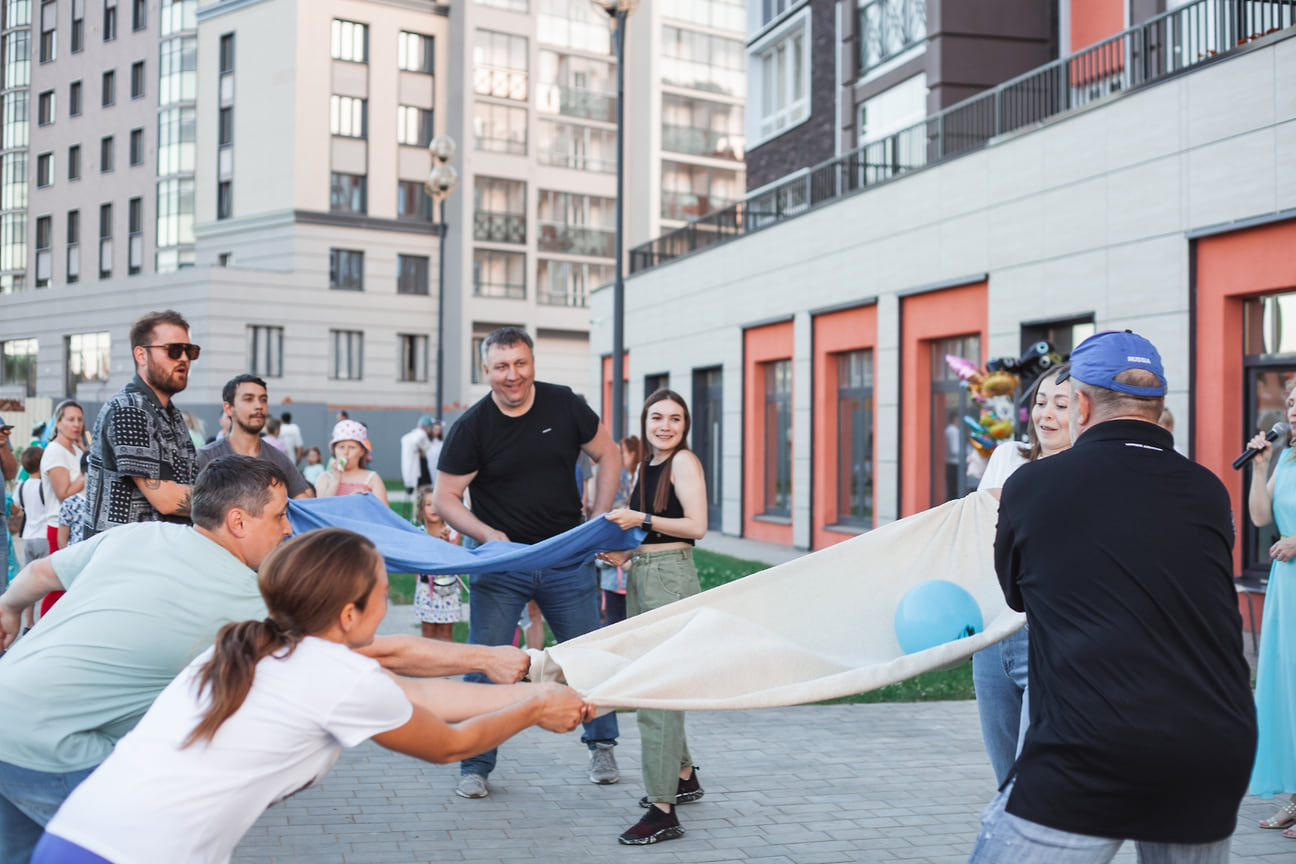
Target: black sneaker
[686, 792]
[654, 827]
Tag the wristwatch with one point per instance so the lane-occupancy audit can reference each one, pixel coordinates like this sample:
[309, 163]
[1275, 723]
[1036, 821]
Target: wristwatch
[647, 523]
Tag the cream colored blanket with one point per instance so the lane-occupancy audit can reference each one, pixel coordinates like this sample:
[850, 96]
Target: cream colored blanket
[815, 628]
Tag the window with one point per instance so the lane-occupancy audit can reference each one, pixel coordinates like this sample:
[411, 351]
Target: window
[17, 58]
[855, 439]
[348, 193]
[16, 117]
[577, 224]
[413, 126]
[177, 137]
[18, 363]
[576, 86]
[1063, 335]
[105, 155]
[700, 127]
[44, 170]
[13, 249]
[499, 274]
[109, 96]
[265, 350]
[572, 145]
[178, 70]
[73, 246]
[139, 14]
[86, 359]
[137, 147]
[346, 348]
[716, 14]
[500, 65]
[348, 116]
[226, 53]
[701, 61]
[413, 202]
[48, 31]
[78, 26]
[44, 250]
[778, 438]
[225, 127]
[109, 20]
[573, 24]
[949, 403]
[175, 223]
[13, 185]
[45, 108]
[771, 9]
[74, 162]
[135, 236]
[137, 79]
[74, 99]
[888, 28]
[350, 41]
[569, 283]
[500, 128]
[413, 357]
[475, 361]
[511, 5]
[411, 275]
[346, 270]
[224, 199]
[105, 241]
[779, 75]
[177, 15]
[499, 210]
[691, 191]
[414, 52]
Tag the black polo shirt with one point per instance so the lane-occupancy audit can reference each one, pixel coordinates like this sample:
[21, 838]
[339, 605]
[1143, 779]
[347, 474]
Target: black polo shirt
[1142, 718]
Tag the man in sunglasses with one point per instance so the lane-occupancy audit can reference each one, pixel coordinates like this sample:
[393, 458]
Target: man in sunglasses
[142, 460]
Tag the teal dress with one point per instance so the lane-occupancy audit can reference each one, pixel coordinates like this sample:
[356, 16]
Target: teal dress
[1275, 765]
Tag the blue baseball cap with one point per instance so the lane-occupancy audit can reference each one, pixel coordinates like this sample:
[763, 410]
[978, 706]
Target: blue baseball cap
[426, 421]
[1100, 358]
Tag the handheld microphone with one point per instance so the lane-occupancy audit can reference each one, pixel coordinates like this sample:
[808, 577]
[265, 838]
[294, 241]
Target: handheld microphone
[1279, 430]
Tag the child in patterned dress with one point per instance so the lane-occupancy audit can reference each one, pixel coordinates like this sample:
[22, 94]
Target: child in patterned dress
[436, 598]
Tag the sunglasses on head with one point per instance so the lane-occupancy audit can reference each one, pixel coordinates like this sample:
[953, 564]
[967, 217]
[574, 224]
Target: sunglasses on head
[176, 349]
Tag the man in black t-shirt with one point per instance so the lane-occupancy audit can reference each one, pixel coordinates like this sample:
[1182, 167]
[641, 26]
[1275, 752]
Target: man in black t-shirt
[516, 451]
[1119, 550]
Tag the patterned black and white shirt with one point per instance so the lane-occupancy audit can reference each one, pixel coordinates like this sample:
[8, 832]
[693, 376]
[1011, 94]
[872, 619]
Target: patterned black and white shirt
[135, 436]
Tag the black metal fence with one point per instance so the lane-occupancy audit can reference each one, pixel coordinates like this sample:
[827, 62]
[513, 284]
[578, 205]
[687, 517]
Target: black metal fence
[1161, 47]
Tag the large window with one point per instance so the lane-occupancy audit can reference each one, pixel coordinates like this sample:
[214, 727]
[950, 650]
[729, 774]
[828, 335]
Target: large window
[778, 438]
[703, 62]
[500, 128]
[348, 116]
[413, 202]
[718, 14]
[949, 403]
[692, 191]
[888, 28]
[411, 274]
[500, 65]
[573, 24]
[779, 76]
[18, 363]
[577, 224]
[499, 210]
[569, 283]
[413, 126]
[571, 145]
[413, 357]
[348, 193]
[265, 350]
[17, 58]
[855, 439]
[499, 274]
[414, 52]
[177, 137]
[346, 355]
[13, 251]
[13, 181]
[576, 86]
[350, 41]
[178, 15]
[86, 359]
[17, 107]
[178, 71]
[700, 127]
[769, 9]
[346, 270]
[175, 223]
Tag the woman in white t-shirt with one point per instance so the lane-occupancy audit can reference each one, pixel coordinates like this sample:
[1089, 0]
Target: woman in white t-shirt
[266, 712]
[999, 672]
[61, 465]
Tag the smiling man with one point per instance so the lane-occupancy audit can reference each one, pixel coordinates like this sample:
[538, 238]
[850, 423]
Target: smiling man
[142, 461]
[247, 407]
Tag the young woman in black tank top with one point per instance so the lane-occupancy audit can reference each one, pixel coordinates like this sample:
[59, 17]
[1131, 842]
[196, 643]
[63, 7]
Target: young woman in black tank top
[670, 502]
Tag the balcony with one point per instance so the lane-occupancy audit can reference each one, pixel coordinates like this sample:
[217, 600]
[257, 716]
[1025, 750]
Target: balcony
[687, 206]
[577, 160]
[576, 240]
[575, 102]
[574, 296]
[693, 141]
[499, 290]
[499, 227]
[889, 28]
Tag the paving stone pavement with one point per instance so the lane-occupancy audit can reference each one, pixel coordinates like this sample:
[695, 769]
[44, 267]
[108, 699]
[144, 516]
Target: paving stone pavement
[801, 785]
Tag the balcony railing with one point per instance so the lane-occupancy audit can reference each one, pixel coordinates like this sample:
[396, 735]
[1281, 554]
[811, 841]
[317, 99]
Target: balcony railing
[702, 142]
[503, 290]
[1159, 48]
[687, 205]
[577, 240]
[576, 160]
[574, 102]
[499, 227]
[572, 297]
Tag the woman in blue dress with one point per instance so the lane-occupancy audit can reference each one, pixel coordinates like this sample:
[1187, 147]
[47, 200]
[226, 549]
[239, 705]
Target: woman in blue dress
[1275, 502]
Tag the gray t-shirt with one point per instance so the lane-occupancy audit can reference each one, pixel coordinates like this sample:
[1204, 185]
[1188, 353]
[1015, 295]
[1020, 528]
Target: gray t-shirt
[296, 482]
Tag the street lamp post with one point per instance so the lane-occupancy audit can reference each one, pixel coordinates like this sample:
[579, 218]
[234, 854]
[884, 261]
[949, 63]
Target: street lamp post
[442, 181]
[618, 11]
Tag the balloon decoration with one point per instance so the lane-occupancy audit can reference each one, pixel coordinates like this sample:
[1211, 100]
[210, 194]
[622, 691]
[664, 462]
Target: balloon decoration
[993, 394]
[935, 612]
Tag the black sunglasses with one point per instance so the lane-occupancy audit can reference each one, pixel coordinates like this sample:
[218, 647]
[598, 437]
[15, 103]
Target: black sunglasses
[176, 349]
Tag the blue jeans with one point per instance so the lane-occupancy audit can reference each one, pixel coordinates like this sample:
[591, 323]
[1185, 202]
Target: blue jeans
[569, 601]
[999, 676]
[1009, 839]
[28, 800]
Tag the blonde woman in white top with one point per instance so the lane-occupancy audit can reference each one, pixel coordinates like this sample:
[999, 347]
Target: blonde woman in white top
[61, 465]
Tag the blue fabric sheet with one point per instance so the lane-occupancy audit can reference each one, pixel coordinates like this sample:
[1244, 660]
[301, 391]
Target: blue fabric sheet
[406, 549]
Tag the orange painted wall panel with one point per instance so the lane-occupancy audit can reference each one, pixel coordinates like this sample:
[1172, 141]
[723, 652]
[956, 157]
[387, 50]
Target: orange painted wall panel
[1094, 20]
[606, 412]
[834, 333]
[760, 345]
[936, 315]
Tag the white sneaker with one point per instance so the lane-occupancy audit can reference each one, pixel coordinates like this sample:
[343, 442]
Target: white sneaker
[472, 786]
[603, 768]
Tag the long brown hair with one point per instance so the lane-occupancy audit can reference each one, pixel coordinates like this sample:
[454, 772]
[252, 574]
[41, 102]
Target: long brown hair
[662, 495]
[1034, 449]
[306, 583]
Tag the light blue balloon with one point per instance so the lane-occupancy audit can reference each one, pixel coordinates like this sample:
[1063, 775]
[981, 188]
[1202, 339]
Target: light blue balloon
[933, 613]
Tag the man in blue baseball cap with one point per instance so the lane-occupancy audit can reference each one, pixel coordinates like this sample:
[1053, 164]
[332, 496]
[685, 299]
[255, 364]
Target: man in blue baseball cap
[1119, 551]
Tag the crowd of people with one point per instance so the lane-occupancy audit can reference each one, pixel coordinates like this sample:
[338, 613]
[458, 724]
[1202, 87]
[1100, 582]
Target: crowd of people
[193, 640]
